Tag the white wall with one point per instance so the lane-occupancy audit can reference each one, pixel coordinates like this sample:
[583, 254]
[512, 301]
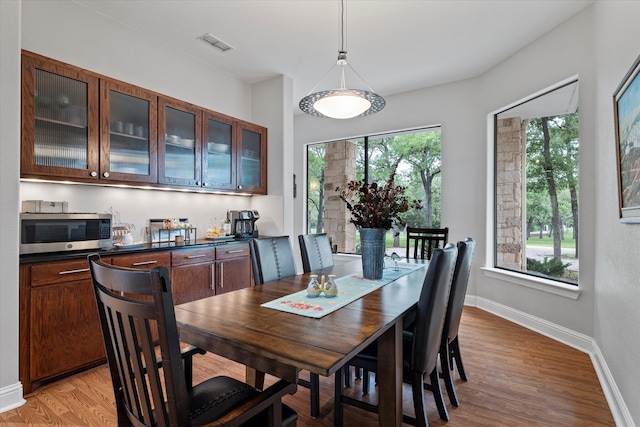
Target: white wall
[598, 46]
[10, 387]
[617, 271]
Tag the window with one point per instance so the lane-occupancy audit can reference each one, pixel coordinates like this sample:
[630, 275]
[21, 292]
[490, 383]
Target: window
[414, 154]
[536, 186]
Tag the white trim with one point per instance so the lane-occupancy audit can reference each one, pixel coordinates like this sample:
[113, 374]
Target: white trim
[533, 282]
[581, 342]
[11, 397]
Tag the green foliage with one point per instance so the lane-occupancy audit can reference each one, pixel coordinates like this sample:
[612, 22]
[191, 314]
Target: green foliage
[549, 267]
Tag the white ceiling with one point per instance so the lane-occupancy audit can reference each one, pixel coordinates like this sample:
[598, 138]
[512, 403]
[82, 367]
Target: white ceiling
[395, 45]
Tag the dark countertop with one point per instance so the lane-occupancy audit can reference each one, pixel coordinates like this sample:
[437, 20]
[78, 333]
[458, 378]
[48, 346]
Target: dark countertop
[145, 248]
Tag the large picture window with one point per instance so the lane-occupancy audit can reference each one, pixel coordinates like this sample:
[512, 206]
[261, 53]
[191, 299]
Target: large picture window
[415, 155]
[536, 186]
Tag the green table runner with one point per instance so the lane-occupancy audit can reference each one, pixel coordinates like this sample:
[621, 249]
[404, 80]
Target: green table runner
[350, 288]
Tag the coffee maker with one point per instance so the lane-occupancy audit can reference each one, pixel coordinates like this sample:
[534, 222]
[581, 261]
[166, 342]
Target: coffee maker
[244, 223]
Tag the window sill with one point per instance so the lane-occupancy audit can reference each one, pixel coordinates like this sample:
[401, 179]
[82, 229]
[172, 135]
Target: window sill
[537, 283]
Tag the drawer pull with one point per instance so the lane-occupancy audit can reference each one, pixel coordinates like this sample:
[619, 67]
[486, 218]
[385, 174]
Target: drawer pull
[195, 256]
[81, 270]
[135, 264]
[235, 251]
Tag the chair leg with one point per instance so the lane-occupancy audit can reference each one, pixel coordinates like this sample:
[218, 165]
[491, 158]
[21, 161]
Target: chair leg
[365, 382]
[337, 405]
[446, 373]
[455, 351]
[188, 371]
[314, 381]
[418, 399]
[437, 395]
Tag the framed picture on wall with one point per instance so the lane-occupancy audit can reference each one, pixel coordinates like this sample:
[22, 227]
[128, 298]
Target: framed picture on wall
[626, 111]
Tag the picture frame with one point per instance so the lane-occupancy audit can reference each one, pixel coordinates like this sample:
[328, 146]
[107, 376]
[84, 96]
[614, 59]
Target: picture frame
[626, 111]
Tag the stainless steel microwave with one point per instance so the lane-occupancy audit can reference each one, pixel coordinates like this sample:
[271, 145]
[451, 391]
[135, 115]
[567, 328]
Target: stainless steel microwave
[57, 232]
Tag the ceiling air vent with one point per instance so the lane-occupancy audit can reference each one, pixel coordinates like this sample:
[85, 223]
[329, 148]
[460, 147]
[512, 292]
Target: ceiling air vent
[215, 42]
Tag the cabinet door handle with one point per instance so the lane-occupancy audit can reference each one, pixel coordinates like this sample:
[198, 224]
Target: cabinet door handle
[235, 251]
[135, 264]
[195, 256]
[81, 270]
[94, 174]
[221, 275]
[213, 277]
[106, 174]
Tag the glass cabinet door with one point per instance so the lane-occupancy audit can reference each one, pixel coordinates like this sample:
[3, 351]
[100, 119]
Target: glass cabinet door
[252, 174]
[179, 151]
[59, 120]
[128, 141]
[218, 154]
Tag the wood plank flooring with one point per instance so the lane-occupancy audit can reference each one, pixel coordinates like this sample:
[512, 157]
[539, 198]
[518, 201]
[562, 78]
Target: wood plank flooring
[516, 378]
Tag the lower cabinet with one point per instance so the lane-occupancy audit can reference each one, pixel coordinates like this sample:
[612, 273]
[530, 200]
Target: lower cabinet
[60, 331]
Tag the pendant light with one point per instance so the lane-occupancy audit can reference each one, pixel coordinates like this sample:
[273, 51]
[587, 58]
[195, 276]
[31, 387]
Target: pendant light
[342, 103]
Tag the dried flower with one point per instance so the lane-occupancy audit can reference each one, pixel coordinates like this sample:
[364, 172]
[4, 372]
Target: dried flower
[375, 206]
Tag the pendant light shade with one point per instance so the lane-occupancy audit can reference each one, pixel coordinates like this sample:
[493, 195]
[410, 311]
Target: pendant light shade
[342, 103]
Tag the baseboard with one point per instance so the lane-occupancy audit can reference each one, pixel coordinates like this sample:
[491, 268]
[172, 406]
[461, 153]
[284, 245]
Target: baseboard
[11, 397]
[584, 343]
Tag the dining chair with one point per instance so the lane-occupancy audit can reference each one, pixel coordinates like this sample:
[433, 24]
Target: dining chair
[421, 242]
[420, 345]
[272, 259]
[152, 394]
[449, 345]
[315, 250]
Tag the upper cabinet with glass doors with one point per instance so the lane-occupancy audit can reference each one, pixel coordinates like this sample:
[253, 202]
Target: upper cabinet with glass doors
[128, 142]
[179, 148]
[252, 158]
[59, 120]
[80, 126]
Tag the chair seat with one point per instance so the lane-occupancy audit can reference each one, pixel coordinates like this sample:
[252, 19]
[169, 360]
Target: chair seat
[217, 396]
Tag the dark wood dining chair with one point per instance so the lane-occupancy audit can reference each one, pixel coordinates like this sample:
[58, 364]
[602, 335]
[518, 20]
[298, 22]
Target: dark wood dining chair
[421, 242]
[152, 394]
[420, 345]
[315, 250]
[272, 259]
[449, 345]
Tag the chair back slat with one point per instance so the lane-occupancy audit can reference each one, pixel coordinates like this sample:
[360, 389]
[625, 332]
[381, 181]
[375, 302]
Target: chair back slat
[315, 250]
[421, 242]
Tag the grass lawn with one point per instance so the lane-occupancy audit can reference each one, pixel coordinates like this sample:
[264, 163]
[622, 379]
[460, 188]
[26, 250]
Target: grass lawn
[548, 241]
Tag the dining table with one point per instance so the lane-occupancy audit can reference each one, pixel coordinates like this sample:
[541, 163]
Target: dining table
[236, 326]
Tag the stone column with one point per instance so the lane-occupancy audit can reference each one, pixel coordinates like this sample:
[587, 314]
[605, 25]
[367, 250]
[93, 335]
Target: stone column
[339, 168]
[509, 209]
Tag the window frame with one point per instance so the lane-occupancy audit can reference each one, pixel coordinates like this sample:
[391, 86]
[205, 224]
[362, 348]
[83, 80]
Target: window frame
[490, 268]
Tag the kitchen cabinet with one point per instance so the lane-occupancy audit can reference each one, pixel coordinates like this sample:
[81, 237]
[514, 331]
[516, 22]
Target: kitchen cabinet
[232, 268]
[219, 151]
[128, 133]
[180, 147]
[192, 274]
[60, 329]
[84, 127]
[59, 120]
[252, 158]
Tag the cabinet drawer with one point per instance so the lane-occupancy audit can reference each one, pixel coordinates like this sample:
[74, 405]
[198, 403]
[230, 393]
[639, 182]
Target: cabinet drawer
[233, 251]
[192, 256]
[144, 261]
[60, 272]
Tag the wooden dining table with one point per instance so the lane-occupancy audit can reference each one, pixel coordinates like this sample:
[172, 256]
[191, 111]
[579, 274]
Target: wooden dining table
[265, 340]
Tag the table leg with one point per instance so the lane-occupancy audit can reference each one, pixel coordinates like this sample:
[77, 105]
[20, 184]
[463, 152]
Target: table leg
[389, 377]
[254, 378]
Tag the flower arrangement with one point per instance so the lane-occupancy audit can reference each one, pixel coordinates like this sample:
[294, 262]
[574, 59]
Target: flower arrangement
[376, 206]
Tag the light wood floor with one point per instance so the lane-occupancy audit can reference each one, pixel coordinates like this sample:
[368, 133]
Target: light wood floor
[516, 378]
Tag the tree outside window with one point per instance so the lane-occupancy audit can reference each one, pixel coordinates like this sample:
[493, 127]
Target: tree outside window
[416, 157]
